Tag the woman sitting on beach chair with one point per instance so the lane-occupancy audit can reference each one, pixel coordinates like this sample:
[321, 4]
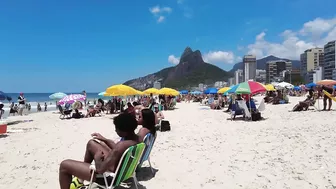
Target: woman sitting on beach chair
[148, 120]
[104, 152]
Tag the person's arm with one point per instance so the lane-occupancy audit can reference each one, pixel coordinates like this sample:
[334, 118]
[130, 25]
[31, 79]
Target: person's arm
[110, 143]
[105, 161]
[161, 116]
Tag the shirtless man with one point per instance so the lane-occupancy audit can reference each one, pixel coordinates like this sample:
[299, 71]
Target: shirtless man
[158, 113]
[103, 151]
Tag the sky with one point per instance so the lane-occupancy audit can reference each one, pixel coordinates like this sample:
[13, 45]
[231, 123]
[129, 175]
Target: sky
[51, 46]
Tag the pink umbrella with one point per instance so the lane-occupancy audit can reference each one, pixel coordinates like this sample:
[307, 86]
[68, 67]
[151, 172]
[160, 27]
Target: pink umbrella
[69, 99]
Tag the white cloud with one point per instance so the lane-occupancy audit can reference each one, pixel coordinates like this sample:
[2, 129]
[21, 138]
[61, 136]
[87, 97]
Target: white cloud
[160, 19]
[174, 60]
[312, 34]
[160, 12]
[219, 57]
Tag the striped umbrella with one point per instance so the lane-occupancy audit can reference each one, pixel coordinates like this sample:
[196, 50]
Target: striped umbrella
[249, 87]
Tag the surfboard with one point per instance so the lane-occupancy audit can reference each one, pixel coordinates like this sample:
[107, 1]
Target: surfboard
[329, 95]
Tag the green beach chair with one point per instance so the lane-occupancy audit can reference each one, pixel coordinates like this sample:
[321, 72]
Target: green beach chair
[125, 169]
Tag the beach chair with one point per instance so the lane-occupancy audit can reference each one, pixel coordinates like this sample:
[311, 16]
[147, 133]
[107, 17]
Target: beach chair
[242, 105]
[64, 113]
[125, 169]
[262, 106]
[149, 142]
[236, 110]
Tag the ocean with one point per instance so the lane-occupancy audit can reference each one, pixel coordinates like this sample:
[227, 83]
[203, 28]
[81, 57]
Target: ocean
[44, 97]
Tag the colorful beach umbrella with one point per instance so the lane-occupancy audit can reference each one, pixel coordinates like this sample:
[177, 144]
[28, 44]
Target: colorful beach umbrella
[168, 91]
[69, 99]
[310, 85]
[153, 91]
[249, 87]
[3, 95]
[57, 96]
[326, 82]
[120, 90]
[223, 90]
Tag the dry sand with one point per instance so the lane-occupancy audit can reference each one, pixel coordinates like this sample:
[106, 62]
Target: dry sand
[203, 150]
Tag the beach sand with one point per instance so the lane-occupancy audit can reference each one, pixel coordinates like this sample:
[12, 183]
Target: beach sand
[204, 149]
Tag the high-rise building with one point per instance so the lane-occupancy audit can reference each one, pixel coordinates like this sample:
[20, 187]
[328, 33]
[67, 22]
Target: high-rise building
[250, 67]
[310, 60]
[275, 70]
[239, 76]
[157, 85]
[261, 76]
[329, 66]
[201, 87]
[231, 81]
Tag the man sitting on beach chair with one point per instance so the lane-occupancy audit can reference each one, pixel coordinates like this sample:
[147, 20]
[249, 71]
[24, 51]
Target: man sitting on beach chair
[104, 152]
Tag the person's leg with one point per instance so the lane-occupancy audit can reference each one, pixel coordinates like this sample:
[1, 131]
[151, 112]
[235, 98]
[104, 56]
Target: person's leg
[330, 103]
[71, 167]
[93, 147]
[325, 102]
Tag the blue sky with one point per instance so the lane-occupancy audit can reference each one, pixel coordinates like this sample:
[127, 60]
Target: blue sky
[48, 46]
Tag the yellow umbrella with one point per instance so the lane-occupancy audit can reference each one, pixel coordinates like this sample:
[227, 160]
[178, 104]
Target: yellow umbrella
[223, 90]
[153, 91]
[270, 87]
[120, 90]
[168, 91]
[140, 92]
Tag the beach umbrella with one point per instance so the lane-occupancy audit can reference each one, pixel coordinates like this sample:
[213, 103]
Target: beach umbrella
[168, 91]
[310, 85]
[196, 92]
[140, 92]
[326, 82]
[102, 93]
[249, 87]
[211, 91]
[184, 92]
[223, 90]
[69, 99]
[57, 96]
[120, 90]
[270, 87]
[3, 96]
[297, 88]
[284, 85]
[153, 91]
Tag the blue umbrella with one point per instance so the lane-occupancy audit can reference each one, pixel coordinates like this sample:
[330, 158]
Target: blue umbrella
[57, 96]
[297, 88]
[310, 85]
[184, 92]
[232, 89]
[211, 91]
[3, 95]
[196, 92]
[102, 93]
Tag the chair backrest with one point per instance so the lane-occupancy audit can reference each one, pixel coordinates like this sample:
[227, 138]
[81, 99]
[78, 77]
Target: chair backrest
[149, 142]
[262, 105]
[60, 109]
[128, 163]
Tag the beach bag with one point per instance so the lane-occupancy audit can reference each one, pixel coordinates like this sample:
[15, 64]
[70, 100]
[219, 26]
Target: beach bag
[165, 126]
[256, 116]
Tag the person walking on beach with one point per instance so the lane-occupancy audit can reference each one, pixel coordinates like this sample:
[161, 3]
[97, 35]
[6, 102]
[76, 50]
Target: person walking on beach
[1, 110]
[22, 102]
[45, 106]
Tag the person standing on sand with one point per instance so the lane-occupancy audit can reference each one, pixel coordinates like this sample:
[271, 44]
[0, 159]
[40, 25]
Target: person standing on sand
[84, 93]
[326, 98]
[22, 102]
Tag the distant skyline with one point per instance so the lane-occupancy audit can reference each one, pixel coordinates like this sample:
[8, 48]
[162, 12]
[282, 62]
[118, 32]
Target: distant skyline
[51, 46]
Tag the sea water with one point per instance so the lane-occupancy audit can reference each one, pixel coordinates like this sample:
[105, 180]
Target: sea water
[34, 98]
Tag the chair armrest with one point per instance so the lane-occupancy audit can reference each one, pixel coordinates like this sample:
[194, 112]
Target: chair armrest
[106, 174]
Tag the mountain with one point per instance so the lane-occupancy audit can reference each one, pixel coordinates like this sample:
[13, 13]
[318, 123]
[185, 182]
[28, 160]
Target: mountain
[190, 71]
[261, 63]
